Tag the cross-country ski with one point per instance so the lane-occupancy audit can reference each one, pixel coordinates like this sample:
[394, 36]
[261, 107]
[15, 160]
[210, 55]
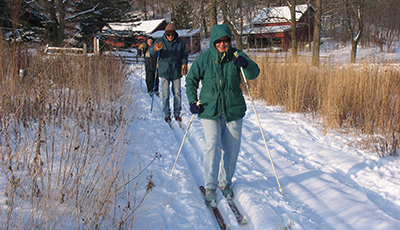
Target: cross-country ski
[181, 125]
[170, 125]
[239, 217]
[214, 209]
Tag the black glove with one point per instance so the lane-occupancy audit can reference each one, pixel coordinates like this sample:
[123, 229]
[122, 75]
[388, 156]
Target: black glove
[194, 108]
[240, 62]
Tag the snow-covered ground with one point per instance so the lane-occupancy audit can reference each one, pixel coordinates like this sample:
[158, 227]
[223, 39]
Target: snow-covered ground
[326, 183]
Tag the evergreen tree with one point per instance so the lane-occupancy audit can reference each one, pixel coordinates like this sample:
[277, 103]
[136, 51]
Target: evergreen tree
[27, 24]
[182, 15]
[4, 15]
[99, 14]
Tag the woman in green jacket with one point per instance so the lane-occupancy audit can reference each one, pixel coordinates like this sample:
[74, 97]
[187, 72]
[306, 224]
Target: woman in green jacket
[222, 106]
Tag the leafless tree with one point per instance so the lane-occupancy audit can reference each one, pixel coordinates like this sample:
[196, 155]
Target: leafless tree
[317, 32]
[228, 20]
[354, 17]
[350, 15]
[238, 13]
[160, 8]
[292, 7]
[203, 23]
[382, 19]
[212, 12]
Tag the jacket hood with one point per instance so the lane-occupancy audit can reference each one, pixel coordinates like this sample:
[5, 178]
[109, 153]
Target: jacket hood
[149, 37]
[217, 32]
[176, 36]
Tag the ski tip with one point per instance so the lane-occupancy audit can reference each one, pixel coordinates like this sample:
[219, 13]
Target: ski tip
[213, 203]
[244, 221]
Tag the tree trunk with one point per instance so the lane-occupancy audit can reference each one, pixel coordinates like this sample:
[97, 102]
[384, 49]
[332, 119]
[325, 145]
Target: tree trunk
[309, 25]
[160, 8]
[355, 23]
[203, 21]
[213, 13]
[317, 33]
[61, 22]
[293, 33]
[145, 10]
[353, 51]
[54, 22]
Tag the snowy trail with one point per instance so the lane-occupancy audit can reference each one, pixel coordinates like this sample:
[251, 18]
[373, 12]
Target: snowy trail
[318, 186]
[326, 184]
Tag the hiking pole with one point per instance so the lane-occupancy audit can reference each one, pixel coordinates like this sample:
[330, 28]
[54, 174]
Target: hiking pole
[259, 124]
[184, 138]
[155, 80]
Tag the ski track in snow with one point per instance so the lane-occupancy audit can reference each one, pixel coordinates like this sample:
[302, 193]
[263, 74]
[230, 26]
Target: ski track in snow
[322, 179]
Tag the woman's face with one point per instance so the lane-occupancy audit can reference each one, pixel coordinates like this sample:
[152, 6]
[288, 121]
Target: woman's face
[222, 44]
[150, 42]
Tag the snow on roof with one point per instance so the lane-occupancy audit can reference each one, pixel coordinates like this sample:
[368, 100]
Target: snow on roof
[266, 30]
[149, 25]
[278, 14]
[181, 33]
[146, 26]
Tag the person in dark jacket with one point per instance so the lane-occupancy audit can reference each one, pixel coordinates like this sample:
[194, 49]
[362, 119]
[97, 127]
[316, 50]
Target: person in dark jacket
[221, 108]
[173, 59]
[150, 67]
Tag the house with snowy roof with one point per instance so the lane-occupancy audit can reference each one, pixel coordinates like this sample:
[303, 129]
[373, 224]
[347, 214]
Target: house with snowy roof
[271, 27]
[130, 34]
[144, 27]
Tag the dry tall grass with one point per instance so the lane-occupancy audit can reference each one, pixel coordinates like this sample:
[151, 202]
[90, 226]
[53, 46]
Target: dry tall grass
[62, 141]
[362, 99]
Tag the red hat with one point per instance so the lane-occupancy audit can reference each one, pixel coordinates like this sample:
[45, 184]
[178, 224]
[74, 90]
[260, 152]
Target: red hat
[170, 28]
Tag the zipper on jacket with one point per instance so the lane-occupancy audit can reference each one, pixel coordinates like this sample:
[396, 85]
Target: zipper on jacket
[222, 100]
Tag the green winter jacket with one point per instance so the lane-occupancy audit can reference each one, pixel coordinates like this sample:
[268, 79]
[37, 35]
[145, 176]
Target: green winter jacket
[220, 80]
[172, 56]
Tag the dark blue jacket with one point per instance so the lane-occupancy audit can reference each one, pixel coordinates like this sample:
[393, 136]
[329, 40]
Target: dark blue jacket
[172, 56]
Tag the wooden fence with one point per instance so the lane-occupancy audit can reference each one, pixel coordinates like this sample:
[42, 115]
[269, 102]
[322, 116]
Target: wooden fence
[65, 50]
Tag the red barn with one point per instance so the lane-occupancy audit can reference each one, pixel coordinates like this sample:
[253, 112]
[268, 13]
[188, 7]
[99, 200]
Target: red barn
[271, 27]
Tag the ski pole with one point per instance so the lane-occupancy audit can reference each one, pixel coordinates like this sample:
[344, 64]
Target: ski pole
[143, 69]
[184, 138]
[259, 124]
[155, 80]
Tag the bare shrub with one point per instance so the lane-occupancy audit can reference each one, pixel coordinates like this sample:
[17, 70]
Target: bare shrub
[62, 143]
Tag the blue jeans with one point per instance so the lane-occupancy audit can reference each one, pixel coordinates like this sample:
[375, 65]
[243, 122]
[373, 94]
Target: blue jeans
[222, 151]
[176, 92]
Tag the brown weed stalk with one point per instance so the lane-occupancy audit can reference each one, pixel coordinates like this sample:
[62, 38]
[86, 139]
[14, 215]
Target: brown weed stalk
[62, 142]
[360, 98]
